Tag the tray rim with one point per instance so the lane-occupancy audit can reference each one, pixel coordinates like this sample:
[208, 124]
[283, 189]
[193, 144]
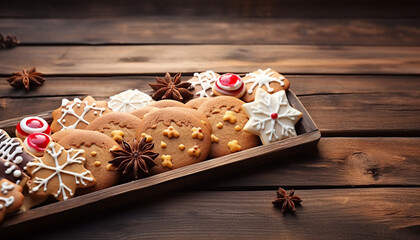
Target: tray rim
[178, 178]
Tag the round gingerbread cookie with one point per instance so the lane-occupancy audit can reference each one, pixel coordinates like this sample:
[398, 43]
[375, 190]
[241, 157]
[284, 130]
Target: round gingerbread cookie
[197, 114]
[228, 120]
[143, 111]
[269, 80]
[97, 149]
[77, 113]
[202, 83]
[167, 103]
[179, 137]
[63, 133]
[195, 103]
[117, 125]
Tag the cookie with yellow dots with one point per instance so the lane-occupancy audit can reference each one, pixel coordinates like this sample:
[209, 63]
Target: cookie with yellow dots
[228, 119]
[179, 137]
[97, 148]
[117, 125]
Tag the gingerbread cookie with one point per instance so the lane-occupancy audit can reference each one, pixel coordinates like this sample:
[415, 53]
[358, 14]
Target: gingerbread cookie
[195, 103]
[271, 117]
[143, 111]
[171, 88]
[59, 172]
[97, 148]
[77, 113]
[30, 125]
[202, 83]
[167, 103]
[229, 84]
[180, 138]
[11, 197]
[11, 171]
[267, 79]
[12, 150]
[63, 133]
[36, 143]
[117, 125]
[129, 101]
[227, 119]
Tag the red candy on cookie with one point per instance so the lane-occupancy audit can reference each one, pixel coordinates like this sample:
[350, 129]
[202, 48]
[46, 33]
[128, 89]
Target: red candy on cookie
[36, 143]
[30, 125]
[229, 84]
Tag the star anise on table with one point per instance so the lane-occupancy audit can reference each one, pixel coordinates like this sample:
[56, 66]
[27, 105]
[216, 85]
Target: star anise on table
[168, 88]
[26, 78]
[136, 160]
[286, 201]
[8, 41]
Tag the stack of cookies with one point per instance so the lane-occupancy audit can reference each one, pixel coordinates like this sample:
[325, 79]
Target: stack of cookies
[98, 144]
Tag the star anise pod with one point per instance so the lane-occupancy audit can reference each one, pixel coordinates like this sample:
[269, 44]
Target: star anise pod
[136, 160]
[286, 201]
[169, 88]
[26, 78]
[8, 41]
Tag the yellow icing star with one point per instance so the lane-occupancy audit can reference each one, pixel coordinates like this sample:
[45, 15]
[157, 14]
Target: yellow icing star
[219, 125]
[197, 133]
[194, 151]
[214, 139]
[117, 135]
[167, 161]
[170, 132]
[229, 116]
[148, 137]
[234, 146]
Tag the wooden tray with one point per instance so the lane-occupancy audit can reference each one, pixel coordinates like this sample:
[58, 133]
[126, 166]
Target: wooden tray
[308, 137]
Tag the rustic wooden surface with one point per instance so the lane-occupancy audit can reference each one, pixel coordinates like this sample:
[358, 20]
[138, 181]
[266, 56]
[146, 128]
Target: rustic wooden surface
[355, 65]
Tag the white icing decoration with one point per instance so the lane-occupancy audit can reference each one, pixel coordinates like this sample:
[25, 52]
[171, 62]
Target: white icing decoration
[260, 116]
[206, 81]
[68, 109]
[58, 170]
[17, 173]
[30, 130]
[6, 146]
[263, 78]
[5, 188]
[129, 101]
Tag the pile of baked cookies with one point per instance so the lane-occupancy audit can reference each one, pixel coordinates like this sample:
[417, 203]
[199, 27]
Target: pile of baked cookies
[91, 145]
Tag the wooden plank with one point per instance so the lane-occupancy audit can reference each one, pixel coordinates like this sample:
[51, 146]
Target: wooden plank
[200, 30]
[249, 8]
[339, 162]
[384, 213]
[222, 58]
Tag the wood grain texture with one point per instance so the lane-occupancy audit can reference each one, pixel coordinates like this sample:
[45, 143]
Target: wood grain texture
[248, 8]
[204, 30]
[148, 59]
[390, 213]
[339, 162]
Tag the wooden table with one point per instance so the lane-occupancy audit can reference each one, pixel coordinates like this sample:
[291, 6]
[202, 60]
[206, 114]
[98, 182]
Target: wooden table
[355, 65]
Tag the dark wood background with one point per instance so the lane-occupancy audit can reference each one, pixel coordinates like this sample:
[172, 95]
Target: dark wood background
[355, 65]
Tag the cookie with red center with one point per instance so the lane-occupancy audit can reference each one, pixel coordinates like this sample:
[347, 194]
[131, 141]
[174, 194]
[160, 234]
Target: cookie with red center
[229, 84]
[36, 143]
[30, 125]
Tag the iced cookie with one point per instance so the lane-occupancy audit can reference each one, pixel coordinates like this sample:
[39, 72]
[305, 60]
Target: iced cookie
[267, 79]
[129, 101]
[167, 103]
[134, 159]
[180, 138]
[77, 113]
[229, 84]
[11, 171]
[30, 125]
[36, 143]
[171, 88]
[59, 172]
[97, 148]
[11, 197]
[117, 125]
[202, 83]
[227, 119]
[195, 103]
[12, 150]
[271, 117]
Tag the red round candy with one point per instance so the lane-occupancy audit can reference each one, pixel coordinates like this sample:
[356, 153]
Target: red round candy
[38, 141]
[274, 116]
[229, 79]
[34, 123]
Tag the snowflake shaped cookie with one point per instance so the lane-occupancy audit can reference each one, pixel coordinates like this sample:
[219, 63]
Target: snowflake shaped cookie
[59, 172]
[129, 101]
[205, 80]
[271, 117]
